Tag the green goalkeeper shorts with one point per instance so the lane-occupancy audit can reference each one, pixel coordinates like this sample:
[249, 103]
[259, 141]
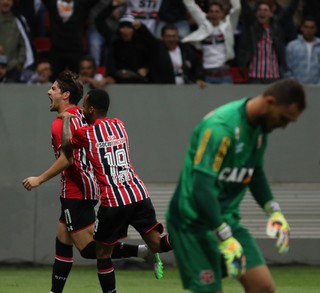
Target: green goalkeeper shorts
[200, 263]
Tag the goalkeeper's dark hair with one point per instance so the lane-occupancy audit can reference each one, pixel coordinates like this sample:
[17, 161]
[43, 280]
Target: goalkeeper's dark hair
[287, 92]
[68, 81]
[99, 99]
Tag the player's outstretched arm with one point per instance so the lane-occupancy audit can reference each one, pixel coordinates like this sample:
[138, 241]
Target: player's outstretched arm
[57, 167]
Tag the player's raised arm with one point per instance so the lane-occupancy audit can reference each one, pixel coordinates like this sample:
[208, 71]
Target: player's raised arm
[56, 168]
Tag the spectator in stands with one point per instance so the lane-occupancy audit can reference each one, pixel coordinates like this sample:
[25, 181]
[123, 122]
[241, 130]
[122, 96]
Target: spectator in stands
[88, 74]
[291, 24]
[42, 73]
[216, 34]
[15, 41]
[3, 69]
[98, 45]
[312, 8]
[262, 42]
[129, 57]
[203, 4]
[35, 13]
[303, 54]
[67, 26]
[173, 12]
[174, 62]
[146, 12]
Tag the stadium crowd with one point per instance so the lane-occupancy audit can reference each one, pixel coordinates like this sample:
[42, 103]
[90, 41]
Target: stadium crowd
[160, 41]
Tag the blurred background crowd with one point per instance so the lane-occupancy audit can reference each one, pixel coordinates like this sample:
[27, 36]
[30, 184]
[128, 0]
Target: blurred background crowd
[160, 41]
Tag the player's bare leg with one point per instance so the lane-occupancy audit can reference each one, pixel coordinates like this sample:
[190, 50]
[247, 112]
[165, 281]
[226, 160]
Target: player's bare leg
[80, 238]
[153, 239]
[157, 244]
[83, 240]
[258, 280]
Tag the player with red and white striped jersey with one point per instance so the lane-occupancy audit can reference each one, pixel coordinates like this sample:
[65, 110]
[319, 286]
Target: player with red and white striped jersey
[108, 150]
[79, 189]
[78, 180]
[124, 198]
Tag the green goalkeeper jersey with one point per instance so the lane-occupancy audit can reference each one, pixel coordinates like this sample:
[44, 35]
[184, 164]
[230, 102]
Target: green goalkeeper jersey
[226, 152]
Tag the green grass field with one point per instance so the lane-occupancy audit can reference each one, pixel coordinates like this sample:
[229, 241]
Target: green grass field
[289, 279]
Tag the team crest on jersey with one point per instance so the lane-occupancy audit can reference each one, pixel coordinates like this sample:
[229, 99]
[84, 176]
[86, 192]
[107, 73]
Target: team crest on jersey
[236, 175]
[206, 277]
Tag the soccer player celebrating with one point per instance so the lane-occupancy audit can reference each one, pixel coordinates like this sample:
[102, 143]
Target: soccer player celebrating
[79, 190]
[124, 198]
[224, 158]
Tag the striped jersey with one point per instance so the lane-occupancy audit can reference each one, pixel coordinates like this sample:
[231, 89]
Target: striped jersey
[77, 181]
[107, 147]
[264, 63]
[145, 11]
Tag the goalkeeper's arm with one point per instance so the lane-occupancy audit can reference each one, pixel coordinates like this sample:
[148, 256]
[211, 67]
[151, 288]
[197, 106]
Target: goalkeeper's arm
[207, 202]
[206, 199]
[277, 226]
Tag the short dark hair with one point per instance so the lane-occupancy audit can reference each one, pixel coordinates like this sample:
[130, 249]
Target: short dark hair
[99, 99]
[68, 81]
[261, 2]
[89, 59]
[168, 26]
[287, 92]
[216, 3]
[308, 18]
[42, 60]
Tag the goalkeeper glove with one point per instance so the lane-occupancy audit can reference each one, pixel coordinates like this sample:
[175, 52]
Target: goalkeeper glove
[232, 252]
[278, 227]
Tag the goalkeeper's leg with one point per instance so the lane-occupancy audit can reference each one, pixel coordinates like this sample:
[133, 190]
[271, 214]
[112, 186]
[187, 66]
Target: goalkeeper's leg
[258, 280]
[198, 258]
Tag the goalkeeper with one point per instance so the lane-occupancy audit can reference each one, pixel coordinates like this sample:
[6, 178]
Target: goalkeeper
[224, 158]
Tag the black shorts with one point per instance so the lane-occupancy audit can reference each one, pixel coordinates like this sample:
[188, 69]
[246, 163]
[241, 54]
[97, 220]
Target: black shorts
[112, 222]
[77, 214]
